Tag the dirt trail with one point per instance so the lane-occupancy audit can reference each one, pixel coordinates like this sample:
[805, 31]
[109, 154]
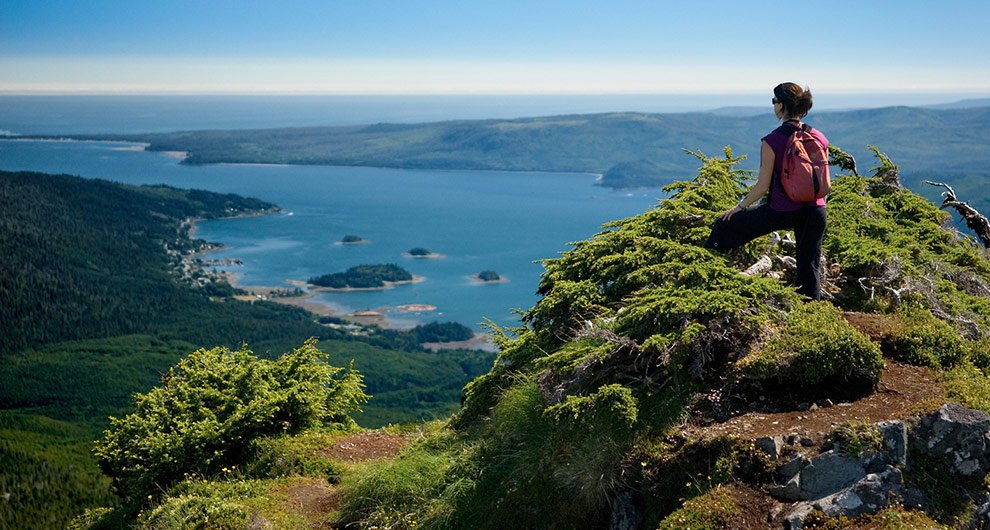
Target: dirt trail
[903, 389]
[316, 498]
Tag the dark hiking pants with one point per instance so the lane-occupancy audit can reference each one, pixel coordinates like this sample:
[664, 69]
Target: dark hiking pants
[808, 225]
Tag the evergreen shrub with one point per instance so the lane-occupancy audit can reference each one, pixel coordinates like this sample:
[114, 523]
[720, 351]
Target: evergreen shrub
[917, 337]
[816, 345]
[182, 512]
[212, 405]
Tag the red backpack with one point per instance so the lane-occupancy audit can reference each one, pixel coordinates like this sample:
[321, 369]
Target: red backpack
[804, 173]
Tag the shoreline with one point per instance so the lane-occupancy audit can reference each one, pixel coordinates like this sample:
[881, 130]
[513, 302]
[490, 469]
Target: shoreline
[193, 222]
[306, 301]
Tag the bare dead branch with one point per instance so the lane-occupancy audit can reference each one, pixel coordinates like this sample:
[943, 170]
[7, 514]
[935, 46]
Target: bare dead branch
[974, 219]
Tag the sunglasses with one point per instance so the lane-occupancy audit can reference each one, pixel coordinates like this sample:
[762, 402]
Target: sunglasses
[774, 101]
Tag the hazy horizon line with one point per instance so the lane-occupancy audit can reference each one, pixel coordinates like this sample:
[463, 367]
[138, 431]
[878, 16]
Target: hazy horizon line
[698, 92]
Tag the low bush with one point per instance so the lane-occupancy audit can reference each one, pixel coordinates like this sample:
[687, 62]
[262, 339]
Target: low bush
[710, 511]
[917, 337]
[855, 438]
[967, 385]
[816, 345]
[212, 405]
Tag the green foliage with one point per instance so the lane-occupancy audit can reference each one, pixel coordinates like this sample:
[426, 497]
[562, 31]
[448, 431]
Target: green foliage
[898, 518]
[614, 402]
[652, 267]
[351, 238]
[302, 454]
[419, 252]
[41, 484]
[967, 385]
[363, 277]
[893, 248]
[979, 354]
[917, 337]
[197, 512]
[855, 438]
[816, 345]
[712, 510]
[227, 505]
[212, 405]
[406, 490]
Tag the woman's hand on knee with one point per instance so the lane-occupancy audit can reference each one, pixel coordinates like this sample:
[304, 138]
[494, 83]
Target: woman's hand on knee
[728, 215]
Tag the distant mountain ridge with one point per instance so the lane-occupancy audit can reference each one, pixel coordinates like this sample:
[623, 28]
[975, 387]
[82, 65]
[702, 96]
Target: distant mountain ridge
[951, 141]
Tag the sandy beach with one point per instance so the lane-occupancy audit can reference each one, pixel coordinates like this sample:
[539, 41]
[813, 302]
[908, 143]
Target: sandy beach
[431, 255]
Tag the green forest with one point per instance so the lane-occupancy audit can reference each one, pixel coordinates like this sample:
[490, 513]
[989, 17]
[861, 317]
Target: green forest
[94, 308]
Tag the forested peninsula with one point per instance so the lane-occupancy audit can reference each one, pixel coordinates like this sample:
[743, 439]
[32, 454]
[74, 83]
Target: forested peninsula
[96, 305]
[630, 149]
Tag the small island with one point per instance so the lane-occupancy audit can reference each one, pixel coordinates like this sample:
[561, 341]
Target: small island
[364, 277]
[421, 253]
[351, 239]
[489, 276]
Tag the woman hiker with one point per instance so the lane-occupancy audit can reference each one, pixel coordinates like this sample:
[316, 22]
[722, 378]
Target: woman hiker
[742, 224]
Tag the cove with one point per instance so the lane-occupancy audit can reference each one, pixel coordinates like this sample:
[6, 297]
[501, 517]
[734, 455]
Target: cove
[478, 220]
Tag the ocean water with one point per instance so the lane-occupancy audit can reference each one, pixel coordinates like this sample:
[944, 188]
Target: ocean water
[503, 221]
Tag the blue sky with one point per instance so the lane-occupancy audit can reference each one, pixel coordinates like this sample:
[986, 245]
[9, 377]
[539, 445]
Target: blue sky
[504, 46]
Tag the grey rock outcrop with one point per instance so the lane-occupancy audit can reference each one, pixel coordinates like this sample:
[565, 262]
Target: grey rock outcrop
[829, 472]
[771, 445]
[868, 495]
[895, 441]
[960, 434]
[842, 485]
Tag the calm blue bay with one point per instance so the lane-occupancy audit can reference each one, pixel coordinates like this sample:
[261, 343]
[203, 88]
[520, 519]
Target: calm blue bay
[478, 220]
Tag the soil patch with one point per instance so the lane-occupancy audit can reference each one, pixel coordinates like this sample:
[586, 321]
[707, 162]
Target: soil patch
[874, 325]
[365, 446]
[755, 507]
[313, 499]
